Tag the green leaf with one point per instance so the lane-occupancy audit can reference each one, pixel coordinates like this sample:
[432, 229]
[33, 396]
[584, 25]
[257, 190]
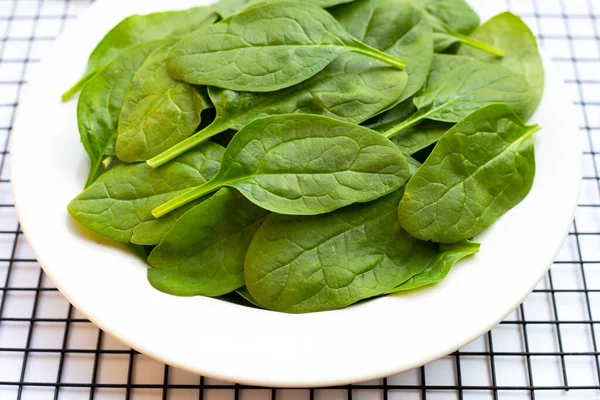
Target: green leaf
[480, 169]
[101, 101]
[118, 205]
[245, 294]
[137, 29]
[318, 3]
[413, 164]
[203, 254]
[266, 48]
[414, 138]
[423, 135]
[227, 8]
[305, 165]
[395, 27]
[440, 266]
[158, 111]
[510, 33]
[393, 117]
[448, 17]
[325, 262]
[352, 88]
[459, 85]
[456, 15]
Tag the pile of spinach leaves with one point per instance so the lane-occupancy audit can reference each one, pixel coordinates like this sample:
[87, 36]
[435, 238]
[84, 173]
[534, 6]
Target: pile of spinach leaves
[306, 155]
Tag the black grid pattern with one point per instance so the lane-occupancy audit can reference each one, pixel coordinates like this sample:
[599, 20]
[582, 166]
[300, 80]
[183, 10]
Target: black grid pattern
[549, 344]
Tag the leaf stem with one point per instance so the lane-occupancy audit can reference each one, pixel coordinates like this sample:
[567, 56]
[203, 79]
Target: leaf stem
[107, 161]
[94, 168]
[78, 86]
[408, 123]
[186, 197]
[213, 129]
[531, 130]
[372, 52]
[476, 44]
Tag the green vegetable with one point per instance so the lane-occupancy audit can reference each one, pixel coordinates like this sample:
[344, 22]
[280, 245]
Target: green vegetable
[227, 8]
[243, 292]
[101, 101]
[413, 165]
[266, 48]
[509, 32]
[459, 85]
[303, 264]
[352, 88]
[203, 254]
[306, 210]
[318, 3]
[452, 20]
[158, 111]
[138, 29]
[480, 169]
[440, 265]
[304, 165]
[118, 205]
[395, 116]
[423, 135]
[396, 27]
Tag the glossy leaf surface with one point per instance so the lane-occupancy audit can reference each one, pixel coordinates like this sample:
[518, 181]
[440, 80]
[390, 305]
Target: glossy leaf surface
[266, 48]
[137, 29]
[101, 101]
[305, 165]
[396, 27]
[158, 111]
[118, 205]
[440, 265]
[510, 33]
[203, 254]
[305, 264]
[480, 169]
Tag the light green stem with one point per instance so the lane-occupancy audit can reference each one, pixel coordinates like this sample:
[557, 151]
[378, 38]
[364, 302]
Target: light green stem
[372, 52]
[186, 197]
[94, 168]
[107, 161]
[79, 85]
[476, 44]
[409, 123]
[532, 129]
[213, 129]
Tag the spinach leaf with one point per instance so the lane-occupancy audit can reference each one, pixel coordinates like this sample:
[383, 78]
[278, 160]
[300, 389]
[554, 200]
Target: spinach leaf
[158, 111]
[266, 48]
[245, 294]
[101, 101]
[509, 32]
[440, 265]
[452, 21]
[318, 3]
[413, 164]
[138, 29]
[203, 254]
[459, 85]
[480, 169]
[304, 165]
[227, 8]
[395, 116]
[423, 135]
[396, 27]
[352, 88]
[118, 205]
[303, 264]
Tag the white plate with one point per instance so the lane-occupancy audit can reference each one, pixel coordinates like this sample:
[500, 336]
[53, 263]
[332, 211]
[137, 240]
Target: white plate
[246, 345]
